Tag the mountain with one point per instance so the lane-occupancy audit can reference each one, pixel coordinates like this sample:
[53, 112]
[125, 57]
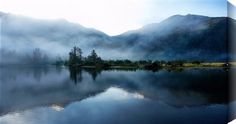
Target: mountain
[20, 30]
[189, 37]
[21, 35]
[185, 37]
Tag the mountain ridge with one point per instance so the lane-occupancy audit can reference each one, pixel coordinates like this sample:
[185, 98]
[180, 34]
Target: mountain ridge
[179, 37]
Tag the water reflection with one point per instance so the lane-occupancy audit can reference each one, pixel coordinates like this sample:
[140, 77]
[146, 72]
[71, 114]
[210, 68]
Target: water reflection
[77, 94]
[75, 74]
[93, 72]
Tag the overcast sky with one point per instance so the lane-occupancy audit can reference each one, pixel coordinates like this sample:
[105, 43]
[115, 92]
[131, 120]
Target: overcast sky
[113, 16]
[233, 2]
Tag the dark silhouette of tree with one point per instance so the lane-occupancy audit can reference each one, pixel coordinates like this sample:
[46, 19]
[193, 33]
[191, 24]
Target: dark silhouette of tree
[93, 58]
[37, 56]
[155, 66]
[45, 59]
[196, 62]
[75, 56]
[177, 63]
[59, 61]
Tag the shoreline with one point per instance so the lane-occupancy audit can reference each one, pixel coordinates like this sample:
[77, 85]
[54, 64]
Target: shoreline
[185, 65]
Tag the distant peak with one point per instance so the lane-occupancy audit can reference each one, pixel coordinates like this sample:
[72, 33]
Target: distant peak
[184, 17]
[194, 15]
[188, 15]
[176, 16]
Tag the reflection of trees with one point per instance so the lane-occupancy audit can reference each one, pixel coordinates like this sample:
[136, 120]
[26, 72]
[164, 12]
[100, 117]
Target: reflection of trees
[210, 85]
[38, 72]
[174, 69]
[75, 74]
[178, 89]
[93, 72]
[58, 69]
[30, 71]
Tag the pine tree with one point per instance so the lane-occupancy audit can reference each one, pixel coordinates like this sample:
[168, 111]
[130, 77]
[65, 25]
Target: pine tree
[93, 58]
[75, 56]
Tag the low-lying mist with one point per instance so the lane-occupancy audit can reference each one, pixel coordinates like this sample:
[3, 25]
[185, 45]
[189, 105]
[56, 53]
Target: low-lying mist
[202, 38]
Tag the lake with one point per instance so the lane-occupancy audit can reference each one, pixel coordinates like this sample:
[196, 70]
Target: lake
[58, 95]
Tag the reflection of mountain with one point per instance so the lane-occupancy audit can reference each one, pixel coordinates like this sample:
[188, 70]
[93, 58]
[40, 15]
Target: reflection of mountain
[188, 37]
[20, 89]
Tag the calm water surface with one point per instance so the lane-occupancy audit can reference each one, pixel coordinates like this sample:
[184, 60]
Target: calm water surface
[57, 95]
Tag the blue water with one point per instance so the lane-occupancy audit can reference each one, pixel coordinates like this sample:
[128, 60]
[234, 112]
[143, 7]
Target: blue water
[58, 95]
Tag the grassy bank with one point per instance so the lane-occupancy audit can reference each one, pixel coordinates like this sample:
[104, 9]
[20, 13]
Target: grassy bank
[205, 64]
[183, 65]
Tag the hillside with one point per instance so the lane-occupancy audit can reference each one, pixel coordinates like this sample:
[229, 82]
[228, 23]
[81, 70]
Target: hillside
[189, 37]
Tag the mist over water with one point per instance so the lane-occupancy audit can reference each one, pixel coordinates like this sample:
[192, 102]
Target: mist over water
[61, 95]
[58, 95]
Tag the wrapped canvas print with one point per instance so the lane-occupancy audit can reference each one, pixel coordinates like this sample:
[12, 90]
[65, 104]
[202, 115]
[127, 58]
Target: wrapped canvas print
[117, 62]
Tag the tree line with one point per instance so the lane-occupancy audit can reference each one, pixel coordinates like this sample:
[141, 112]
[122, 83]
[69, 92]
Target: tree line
[93, 60]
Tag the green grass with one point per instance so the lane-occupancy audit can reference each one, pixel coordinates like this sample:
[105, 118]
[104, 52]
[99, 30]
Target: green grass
[205, 64]
[185, 65]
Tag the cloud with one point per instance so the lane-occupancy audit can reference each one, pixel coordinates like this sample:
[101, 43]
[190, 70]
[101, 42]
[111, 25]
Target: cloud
[232, 2]
[113, 16]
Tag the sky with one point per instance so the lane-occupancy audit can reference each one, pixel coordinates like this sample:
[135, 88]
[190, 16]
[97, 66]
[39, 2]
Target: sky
[113, 16]
[233, 2]
[232, 9]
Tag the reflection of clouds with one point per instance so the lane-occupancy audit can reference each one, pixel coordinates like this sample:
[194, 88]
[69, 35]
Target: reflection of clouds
[232, 122]
[114, 93]
[15, 118]
[232, 110]
[186, 88]
[29, 116]
[110, 96]
[105, 108]
[57, 107]
[138, 96]
[24, 91]
[45, 115]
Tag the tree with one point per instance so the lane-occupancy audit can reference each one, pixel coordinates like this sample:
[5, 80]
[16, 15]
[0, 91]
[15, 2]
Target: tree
[37, 56]
[75, 56]
[59, 61]
[93, 58]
